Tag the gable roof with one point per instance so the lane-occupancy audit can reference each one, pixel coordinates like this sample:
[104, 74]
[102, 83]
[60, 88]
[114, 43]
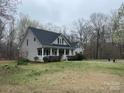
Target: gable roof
[66, 39]
[74, 43]
[45, 37]
[48, 37]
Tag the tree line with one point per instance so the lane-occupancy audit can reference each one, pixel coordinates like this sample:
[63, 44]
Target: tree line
[101, 36]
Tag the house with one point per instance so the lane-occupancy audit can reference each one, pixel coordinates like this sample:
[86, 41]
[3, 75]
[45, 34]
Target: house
[40, 43]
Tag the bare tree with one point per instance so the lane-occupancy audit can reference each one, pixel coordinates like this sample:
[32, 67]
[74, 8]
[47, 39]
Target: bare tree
[23, 23]
[8, 9]
[53, 27]
[2, 26]
[82, 32]
[11, 44]
[1, 33]
[98, 22]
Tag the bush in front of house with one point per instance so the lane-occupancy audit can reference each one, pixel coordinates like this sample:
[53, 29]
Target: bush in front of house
[71, 58]
[52, 59]
[45, 59]
[80, 56]
[76, 57]
[22, 61]
[36, 58]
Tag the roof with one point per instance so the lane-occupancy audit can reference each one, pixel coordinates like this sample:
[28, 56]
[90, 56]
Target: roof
[74, 44]
[45, 37]
[60, 46]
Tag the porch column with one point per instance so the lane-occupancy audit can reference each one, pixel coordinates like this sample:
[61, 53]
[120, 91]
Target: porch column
[73, 53]
[64, 51]
[50, 51]
[42, 52]
[57, 52]
[70, 52]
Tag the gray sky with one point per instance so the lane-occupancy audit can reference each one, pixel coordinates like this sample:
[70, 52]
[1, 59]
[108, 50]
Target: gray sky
[63, 12]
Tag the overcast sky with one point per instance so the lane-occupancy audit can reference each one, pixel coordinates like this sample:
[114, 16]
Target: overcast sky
[62, 12]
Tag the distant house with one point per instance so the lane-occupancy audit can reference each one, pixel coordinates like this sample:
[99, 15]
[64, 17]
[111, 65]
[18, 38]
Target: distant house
[40, 43]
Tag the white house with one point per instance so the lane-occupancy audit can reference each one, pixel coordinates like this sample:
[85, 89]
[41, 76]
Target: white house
[40, 43]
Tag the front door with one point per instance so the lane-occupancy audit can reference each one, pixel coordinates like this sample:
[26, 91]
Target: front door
[61, 52]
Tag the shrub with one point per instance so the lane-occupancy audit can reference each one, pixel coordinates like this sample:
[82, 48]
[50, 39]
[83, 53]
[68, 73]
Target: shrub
[9, 69]
[80, 56]
[77, 57]
[22, 61]
[52, 58]
[36, 58]
[45, 59]
[71, 58]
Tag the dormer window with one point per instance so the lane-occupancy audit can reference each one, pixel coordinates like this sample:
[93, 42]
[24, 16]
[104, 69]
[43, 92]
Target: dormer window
[62, 41]
[34, 39]
[58, 40]
[27, 42]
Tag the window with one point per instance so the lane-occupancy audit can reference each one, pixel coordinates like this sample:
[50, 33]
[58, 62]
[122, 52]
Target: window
[34, 39]
[58, 40]
[72, 52]
[54, 51]
[27, 42]
[46, 51]
[67, 51]
[62, 41]
[39, 51]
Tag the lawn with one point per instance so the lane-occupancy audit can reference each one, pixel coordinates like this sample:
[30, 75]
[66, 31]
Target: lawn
[62, 77]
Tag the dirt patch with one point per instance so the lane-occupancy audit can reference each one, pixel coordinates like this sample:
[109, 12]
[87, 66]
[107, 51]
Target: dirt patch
[6, 61]
[70, 82]
[77, 82]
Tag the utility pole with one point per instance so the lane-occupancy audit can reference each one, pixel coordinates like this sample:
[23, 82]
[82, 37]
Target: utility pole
[97, 44]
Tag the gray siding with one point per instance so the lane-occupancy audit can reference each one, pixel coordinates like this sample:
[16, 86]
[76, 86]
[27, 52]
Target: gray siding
[30, 51]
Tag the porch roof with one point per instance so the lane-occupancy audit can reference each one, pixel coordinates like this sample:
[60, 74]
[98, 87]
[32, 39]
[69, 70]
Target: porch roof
[58, 46]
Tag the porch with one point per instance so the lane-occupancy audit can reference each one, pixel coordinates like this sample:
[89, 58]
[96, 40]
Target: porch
[54, 52]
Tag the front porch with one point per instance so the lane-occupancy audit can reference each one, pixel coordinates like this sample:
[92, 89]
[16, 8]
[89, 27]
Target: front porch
[54, 52]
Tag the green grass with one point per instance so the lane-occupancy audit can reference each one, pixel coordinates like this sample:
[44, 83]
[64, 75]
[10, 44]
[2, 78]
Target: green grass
[41, 76]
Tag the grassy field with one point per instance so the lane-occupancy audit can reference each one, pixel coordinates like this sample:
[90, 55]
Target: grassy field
[62, 77]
